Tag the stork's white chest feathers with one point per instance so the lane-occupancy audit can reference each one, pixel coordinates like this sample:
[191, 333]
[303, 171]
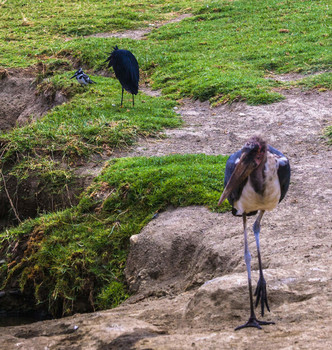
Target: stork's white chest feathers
[250, 200]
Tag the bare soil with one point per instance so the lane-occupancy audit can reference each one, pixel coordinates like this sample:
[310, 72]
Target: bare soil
[19, 101]
[139, 34]
[182, 248]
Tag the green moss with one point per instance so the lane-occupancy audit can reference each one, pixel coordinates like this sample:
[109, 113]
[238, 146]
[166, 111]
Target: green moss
[111, 295]
[48, 170]
[80, 253]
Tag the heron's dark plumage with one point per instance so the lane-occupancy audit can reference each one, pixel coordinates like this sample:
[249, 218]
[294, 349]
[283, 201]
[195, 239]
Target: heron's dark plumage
[126, 69]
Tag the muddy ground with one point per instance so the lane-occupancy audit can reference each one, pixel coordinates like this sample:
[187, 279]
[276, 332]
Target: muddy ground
[173, 309]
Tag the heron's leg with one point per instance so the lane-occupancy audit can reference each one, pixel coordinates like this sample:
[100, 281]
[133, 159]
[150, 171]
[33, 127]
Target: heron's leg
[122, 98]
[252, 322]
[260, 293]
[133, 100]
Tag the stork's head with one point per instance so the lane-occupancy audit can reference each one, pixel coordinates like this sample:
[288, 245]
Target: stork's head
[254, 151]
[253, 155]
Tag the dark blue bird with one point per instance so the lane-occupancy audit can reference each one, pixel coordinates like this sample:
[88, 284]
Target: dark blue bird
[82, 78]
[256, 179]
[126, 70]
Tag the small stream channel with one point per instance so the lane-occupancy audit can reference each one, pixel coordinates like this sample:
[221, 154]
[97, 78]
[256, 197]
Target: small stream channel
[8, 319]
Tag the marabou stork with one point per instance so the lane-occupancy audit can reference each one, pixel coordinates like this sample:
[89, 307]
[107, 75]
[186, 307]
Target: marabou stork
[256, 179]
[126, 70]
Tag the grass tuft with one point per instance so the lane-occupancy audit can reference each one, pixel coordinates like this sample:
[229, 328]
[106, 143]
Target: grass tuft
[328, 134]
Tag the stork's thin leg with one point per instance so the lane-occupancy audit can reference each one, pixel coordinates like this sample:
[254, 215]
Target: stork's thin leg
[133, 100]
[260, 293]
[122, 98]
[252, 322]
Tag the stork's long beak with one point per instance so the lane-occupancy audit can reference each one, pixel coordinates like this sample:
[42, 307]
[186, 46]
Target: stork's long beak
[242, 170]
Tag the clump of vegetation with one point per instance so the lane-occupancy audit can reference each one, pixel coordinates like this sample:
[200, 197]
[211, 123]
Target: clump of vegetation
[322, 82]
[224, 52]
[328, 134]
[80, 253]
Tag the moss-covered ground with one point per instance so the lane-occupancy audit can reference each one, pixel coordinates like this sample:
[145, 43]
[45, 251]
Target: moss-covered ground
[80, 253]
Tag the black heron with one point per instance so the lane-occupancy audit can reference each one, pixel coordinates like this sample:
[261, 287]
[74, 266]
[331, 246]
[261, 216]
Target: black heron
[256, 179]
[126, 70]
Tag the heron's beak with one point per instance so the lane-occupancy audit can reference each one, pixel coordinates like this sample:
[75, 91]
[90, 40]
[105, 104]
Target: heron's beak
[242, 170]
[73, 76]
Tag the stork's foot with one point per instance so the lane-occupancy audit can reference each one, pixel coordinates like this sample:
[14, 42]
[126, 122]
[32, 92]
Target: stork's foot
[261, 294]
[253, 322]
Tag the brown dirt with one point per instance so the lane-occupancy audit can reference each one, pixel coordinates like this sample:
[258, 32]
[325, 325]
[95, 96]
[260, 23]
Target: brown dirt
[19, 101]
[290, 76]
[182, 248]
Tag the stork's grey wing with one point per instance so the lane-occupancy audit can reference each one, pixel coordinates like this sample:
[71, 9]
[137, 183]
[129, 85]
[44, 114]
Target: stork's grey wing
[284, 171]
[230, 166]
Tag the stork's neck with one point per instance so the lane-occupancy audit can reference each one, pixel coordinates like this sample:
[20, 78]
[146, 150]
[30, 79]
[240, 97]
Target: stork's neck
[257, 177]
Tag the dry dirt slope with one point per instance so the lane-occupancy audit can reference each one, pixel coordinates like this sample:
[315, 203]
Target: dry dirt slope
[170, 310]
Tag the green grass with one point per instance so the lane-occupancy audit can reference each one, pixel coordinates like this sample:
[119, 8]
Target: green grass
[224, 52]
[80, 253]
[322, 82]
[28, 28]
[221, 54]
[91, 122]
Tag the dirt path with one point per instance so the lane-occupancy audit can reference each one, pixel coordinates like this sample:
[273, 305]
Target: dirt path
[139, 34]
